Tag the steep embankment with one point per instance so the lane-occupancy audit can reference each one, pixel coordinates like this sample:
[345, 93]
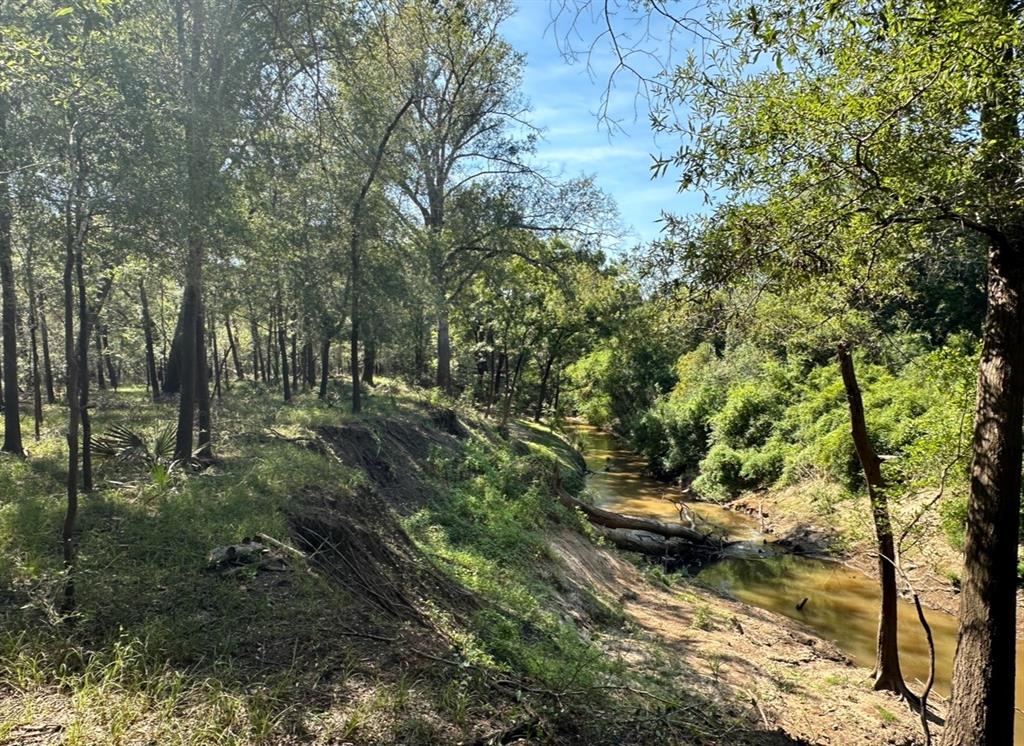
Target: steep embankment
[403, 577]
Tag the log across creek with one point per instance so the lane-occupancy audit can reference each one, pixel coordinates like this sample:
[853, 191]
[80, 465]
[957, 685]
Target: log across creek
[645, 535]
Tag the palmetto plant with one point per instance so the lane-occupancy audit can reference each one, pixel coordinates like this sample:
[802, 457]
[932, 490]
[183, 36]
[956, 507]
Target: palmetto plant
[126, 445]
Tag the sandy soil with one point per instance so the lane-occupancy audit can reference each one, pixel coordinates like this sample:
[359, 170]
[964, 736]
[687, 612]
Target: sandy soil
[775, 676]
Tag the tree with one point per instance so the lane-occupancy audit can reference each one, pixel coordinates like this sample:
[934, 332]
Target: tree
[879, 127]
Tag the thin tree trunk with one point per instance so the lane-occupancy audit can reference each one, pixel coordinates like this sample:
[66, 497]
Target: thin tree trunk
[543, 394]
[325, 367]
[888, 675]
[9, 307]
[294, 342]
[369, 358]
[271, 357]
[147, 331]
[235, 357]
[281, 343]
[112, 376]
[357, 402]
[258, 371]
[444, 350]
[310, 366]
[33, 323]
[74, 234]
[51, 395]
[202, 375]
[513, 384]
[100, 381]
[84, 319]
[216, 359]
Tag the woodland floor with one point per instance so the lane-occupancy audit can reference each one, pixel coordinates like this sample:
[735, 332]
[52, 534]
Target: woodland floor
[433, 593]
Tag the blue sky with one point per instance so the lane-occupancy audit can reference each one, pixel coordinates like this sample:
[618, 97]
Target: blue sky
[565, 100]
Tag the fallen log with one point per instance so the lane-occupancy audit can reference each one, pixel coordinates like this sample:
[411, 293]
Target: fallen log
[645, 542]
[641, 532]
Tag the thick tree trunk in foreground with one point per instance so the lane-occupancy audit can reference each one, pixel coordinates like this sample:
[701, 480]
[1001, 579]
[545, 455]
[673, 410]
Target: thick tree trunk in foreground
[8, 309]
[981, 708]
[888, 675]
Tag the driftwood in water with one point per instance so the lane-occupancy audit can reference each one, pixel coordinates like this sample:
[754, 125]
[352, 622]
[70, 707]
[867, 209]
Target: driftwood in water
[641, 534]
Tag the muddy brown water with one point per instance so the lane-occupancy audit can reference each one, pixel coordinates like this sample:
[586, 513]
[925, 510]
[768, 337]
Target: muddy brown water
[842, 604]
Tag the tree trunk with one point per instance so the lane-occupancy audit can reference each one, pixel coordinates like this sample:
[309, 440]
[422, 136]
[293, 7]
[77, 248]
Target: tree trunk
[310, 359]
[887, 662]
[202, 376]
[444, 350]
[357, 399]
[51, 396]
[172, 368]
[235, 357]
[112, 376]
[216, 359]
[8, 308]
[33, 324]
[325, 367]
[198, 173]
[100, 381]
[369, 358]
[981, 709]
[513, 383]
[293, 340]
[147, 331]
[282, 344]
[273, 364]
[74, 231]
[543, 394]
[419, 353]
[83, 378]
[188, 357]
[259, 372]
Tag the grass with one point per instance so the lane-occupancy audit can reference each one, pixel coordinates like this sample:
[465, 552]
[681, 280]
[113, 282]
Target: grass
[162, 651]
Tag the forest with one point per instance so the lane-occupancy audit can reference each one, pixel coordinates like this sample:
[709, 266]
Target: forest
[338, 410]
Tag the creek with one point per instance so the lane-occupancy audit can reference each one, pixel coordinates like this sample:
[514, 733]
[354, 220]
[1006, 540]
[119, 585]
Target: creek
[842, 603]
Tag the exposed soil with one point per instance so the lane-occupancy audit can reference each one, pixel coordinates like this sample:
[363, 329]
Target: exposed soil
[780, 682]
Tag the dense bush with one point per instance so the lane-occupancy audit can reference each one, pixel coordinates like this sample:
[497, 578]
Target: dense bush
[749, 418]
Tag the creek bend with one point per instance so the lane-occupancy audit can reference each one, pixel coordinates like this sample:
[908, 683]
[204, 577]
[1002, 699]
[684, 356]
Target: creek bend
[842, 604]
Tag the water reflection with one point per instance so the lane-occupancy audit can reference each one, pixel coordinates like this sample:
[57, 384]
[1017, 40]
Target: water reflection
[842, 604]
